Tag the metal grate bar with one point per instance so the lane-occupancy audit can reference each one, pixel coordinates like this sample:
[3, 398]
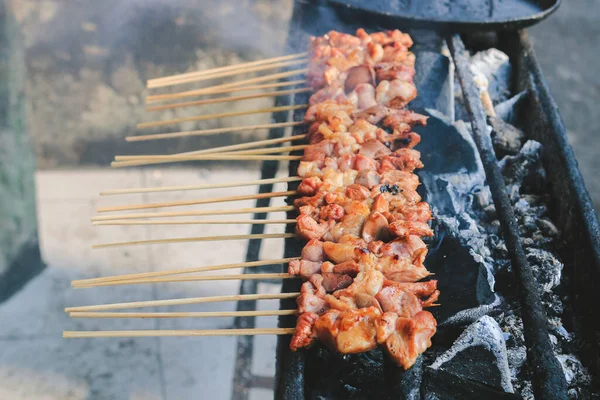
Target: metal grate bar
[548, 378]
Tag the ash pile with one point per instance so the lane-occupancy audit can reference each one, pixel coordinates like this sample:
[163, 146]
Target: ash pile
[479, 349]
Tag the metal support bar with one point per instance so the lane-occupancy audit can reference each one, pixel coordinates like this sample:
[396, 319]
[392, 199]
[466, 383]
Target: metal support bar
[548, 378]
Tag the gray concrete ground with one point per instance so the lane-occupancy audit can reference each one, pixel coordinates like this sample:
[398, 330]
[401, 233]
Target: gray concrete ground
[37, 363]
[567, 47]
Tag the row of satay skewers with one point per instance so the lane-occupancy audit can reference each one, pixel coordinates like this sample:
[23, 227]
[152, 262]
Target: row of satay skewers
[258, 150]
[390, 92]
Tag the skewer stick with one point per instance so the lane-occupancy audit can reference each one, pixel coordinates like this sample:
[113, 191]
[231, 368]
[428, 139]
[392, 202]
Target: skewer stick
[269, 150]
[202, 187]
[205, 157]
[224, 74]
[227, 99]
[217, 88]
[199, 201]
[227, 68]
[218, 150]
[165, 214]
[250, 152]
[201, 278]
[179, 271]
[196, 239]
[164, 333]
[224, 149]
[220, 115]
[181, 302]
[207, 314]
[198, 222]
[251, 87]
[159, 136]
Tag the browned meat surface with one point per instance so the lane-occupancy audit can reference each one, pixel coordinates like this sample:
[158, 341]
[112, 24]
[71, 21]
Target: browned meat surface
[411, 337]
[348, 332]
[304, 335]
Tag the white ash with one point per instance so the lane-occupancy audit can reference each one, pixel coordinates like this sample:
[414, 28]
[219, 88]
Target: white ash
[495, 66]
[575, 373]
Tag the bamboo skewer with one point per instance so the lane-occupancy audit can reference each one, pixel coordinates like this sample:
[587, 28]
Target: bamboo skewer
[180, 271]
[250, 152]
[196, 239]
[215, 150]
[220, 115]
[198, 222]
[199, 201]
[164, 333]
[234, 148]
[159, 136]
[227, 99]
[201, 187]
[184, 301]
[163, 214]
[224, 74]
[201, 278]
[201, 314]
[226, 68]
[249, 88]
[217, 88]
[205, 157]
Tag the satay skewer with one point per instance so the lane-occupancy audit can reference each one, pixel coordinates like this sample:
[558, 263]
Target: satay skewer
[176, 157]
[198, 222]
[171, 135]
[225, 68]
[285, 179]
[196, 239]
[200, 278]
[182, 301]
[217, 75]
[220, 115]
[218, 88]
[164, 214]
[208, 157]
[171, 333]
[217, 151]
[227, 99]
[249, 88]
[211, 200]
[140, 275]
[184, 314]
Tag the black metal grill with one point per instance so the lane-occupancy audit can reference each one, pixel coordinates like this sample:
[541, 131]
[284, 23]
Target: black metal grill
[572, 210]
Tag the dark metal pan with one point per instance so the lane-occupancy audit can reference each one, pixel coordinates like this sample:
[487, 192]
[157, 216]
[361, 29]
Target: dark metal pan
[448, 15]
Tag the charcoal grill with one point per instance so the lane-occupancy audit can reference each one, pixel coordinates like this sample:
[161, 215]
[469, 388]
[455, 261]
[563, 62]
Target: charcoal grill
[371, 374]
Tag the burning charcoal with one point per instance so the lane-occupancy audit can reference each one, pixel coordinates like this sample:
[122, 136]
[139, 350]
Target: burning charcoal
[512, 326]
[479, 354]
[547, 227]
[442, 385]
[575, 373]
[507, 109]
[507, 139]
[404, 384]
[525, 168]
[546, 268]
[433, 81]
